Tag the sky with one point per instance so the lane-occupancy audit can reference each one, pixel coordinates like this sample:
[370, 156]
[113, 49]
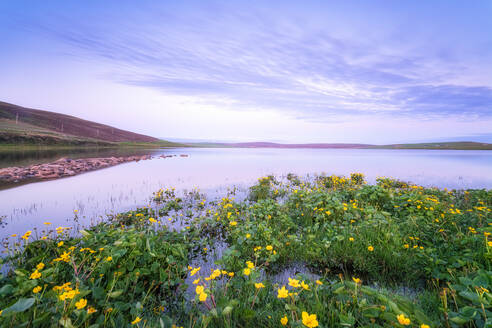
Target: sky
[284, 71]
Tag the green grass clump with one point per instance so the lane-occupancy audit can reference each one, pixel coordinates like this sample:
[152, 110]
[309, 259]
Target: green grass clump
[390, 254]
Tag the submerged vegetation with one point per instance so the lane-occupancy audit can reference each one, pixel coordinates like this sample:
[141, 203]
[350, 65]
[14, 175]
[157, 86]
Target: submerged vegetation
[323, 252]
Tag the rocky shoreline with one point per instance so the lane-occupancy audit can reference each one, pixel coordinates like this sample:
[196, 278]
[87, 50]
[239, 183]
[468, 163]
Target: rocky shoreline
[64, 167]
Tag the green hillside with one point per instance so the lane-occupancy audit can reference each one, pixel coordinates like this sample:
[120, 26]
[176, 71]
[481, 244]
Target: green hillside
[20, 126]
[462, 145]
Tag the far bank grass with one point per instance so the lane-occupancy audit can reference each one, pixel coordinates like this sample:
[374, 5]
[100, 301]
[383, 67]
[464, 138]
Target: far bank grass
[423, 146]
[88, 146]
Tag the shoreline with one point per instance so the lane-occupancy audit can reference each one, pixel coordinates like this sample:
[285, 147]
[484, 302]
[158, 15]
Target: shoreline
[64, 167]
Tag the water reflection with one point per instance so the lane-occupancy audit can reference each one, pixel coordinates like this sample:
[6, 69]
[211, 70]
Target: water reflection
[98, 193]
[24, 157]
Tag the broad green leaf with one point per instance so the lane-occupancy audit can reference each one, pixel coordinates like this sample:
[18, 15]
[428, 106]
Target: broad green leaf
[20, 306]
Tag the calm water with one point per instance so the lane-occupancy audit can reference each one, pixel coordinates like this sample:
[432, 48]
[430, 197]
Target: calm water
[126, 186]
[37, 156]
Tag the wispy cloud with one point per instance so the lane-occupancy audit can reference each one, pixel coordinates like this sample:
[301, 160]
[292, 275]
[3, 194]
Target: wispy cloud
[253, 59]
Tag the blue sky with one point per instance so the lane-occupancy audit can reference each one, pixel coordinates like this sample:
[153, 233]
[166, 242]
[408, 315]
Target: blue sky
[288, 71]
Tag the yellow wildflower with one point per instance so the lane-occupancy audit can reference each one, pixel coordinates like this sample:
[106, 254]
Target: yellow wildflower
[259, 285]
[284, 320]
[319, 282]
[199, 289]
[294, 283]
[26, 235]
[81, 303]
[282, 292]
[137, 320]
[247, 271]
[357, 280]
[269, 248]
[35, 275]
[309, 320]
[91, 310]
[194, 271]
[36, 289]
[403, 320]
[370, 248]
[202, 297]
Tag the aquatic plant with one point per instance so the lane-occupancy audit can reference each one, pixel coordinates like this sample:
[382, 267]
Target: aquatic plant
[361, 245]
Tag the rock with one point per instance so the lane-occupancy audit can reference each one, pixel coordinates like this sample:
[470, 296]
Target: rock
[51, 176]
[64, 167]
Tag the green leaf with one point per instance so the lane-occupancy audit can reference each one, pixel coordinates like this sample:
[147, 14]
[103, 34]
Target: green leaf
[421, 317]
[470, 296]
[468, 312]
[368, 290]
[6, 289]
[347, 320]
[481, 281]
[214, 313]
[66, 322]
[459, 320]
[227, 310]
[115, 294]
[371, 312]
[85, 233]
[465, 281]
[20, 306]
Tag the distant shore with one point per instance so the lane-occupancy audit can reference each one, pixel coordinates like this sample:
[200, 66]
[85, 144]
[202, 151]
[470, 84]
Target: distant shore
[463, 145]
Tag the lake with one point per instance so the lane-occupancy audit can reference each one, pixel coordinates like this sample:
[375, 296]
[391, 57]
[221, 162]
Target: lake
[213, 171]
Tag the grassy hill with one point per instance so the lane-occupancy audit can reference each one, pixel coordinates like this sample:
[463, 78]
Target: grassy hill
[464, 145]
[27, 134]
[25, 125]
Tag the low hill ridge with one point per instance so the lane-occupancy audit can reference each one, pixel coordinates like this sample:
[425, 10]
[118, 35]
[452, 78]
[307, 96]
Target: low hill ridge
[452, 145]
[69, 125]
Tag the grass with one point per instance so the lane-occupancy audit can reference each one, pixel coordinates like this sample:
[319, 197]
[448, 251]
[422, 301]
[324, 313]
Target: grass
[24, 136]
[360, 245]
[462, 145]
